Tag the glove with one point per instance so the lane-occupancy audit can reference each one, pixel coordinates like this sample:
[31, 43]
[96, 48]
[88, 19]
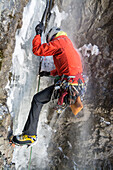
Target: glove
[44, 73]
[39, 28]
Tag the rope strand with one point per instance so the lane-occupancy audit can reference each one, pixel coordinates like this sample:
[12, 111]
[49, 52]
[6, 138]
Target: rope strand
[30, 159]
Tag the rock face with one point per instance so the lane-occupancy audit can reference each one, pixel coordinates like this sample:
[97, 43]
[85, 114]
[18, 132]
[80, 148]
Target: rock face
[84, 141]
[92, 23]
[10, 21]
[87, 142]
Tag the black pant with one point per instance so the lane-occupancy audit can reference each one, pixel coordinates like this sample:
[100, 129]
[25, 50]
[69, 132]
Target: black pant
[39, 99]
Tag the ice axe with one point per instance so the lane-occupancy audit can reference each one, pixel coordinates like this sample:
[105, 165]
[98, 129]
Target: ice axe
[45, 17]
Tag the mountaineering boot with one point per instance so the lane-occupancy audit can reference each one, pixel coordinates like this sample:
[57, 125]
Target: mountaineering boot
[24, 140]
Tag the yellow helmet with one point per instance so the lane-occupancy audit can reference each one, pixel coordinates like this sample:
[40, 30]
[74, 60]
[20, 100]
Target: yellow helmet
[54, 32]
[60, 33]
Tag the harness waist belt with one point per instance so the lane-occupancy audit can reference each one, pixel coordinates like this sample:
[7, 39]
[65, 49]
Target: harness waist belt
[73, 79]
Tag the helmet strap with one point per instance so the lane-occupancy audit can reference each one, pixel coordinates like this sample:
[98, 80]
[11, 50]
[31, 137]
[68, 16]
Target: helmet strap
[53, 37]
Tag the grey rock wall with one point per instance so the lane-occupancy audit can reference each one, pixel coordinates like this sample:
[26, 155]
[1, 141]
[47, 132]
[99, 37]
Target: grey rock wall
[86, 142]
[10, 20]
[91, 22]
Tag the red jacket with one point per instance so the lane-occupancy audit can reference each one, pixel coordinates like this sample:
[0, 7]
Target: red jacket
[66, 59]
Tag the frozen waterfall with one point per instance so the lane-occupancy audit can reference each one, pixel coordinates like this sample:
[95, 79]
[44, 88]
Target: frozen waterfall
[23, 85]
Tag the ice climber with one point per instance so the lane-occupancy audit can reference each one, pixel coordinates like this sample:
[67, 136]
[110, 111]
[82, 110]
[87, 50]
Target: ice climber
[71, 83]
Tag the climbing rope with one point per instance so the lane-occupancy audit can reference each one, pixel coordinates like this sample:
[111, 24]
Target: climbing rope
[30, 158]
[45, 16]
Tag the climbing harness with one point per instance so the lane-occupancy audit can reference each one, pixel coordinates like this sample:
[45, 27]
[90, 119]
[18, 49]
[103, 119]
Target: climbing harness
[66, 91]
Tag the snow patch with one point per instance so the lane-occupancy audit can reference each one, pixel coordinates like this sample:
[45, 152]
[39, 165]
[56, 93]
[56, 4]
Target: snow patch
[88, 49]
[60, 149]
[103, 120]
[65, 157]
[3, 111]
[70, 145]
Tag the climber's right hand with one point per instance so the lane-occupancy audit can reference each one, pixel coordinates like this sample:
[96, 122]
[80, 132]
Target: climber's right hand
[44, 73]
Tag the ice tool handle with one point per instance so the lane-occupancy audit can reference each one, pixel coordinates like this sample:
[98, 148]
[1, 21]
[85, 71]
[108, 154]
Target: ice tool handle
[45, 12]
[45, 17]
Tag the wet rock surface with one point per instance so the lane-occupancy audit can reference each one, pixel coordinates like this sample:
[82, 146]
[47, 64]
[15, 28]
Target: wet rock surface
[6, 151]
[84, 141]
[81, 142]
[94, 25]
[10, 21]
